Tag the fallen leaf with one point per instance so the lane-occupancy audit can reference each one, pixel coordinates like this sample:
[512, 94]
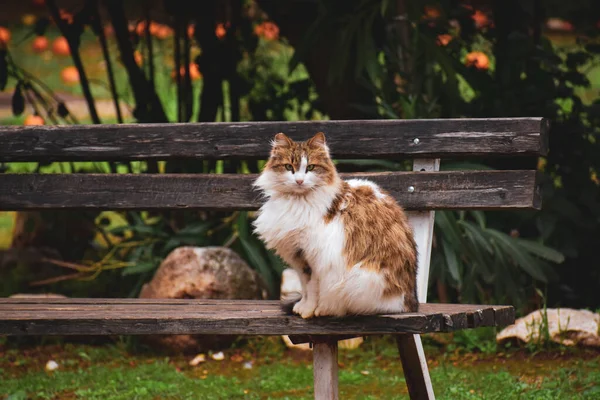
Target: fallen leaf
[200, 358]
[218, 356]
[51, 365]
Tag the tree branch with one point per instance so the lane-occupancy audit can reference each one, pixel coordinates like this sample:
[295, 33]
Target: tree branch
[72, 32]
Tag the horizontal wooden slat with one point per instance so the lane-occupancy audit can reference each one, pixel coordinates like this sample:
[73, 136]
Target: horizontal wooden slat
[240, 317]
[437, 138]
[432, 190]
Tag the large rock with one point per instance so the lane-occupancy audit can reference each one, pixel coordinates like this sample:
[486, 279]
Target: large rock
[202, 273]
[565, 326]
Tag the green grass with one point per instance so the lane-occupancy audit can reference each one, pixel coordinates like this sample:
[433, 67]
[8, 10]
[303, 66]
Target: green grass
[371, 372]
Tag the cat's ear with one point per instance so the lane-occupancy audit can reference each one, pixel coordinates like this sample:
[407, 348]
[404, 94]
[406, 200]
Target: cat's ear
[281, 140]
[317, 140]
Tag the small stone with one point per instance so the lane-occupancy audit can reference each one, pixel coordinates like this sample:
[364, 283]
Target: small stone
[51, 366]
[365, 372]
[200, 358]
[248, 365]
[218, 356]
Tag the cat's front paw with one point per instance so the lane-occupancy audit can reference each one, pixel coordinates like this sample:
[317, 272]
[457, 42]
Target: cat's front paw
[328, 312]
[305, 309]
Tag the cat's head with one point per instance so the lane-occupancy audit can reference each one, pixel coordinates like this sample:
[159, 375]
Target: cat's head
[297, 167]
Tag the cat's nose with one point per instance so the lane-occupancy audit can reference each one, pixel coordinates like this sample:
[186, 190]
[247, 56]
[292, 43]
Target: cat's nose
[299, 181]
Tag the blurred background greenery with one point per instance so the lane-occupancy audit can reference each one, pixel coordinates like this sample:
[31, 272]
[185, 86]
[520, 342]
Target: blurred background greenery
[243, 60]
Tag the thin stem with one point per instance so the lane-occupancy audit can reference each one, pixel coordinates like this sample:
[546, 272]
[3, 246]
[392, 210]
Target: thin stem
[73, 41]
[177, 56]
[109, 68]
[150, 48]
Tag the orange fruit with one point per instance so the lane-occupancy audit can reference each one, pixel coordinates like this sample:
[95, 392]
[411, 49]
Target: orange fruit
[69, 75]
[60, 46]
[137, 56]
[33, 120]
[195, 73]
[65, 15]
[190, 31]
[163, 32]
[220, 31]
[432, 12]
[443, 40]
[40, 44]
[477, 59]
[140, 28]
[269, 31]
[481, 19]
[4, 36]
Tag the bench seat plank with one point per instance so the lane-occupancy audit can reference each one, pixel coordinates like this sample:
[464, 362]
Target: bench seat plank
[240, 317]
[487, 190]
[438, 138]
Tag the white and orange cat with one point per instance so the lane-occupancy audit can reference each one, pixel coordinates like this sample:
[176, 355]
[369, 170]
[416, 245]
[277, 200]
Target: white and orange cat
[349, 241]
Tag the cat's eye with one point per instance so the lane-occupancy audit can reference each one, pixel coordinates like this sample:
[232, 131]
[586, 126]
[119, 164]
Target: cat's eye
[289, 167]
[310, 167]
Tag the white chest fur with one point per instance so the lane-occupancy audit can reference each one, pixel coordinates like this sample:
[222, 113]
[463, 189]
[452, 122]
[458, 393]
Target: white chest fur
[289, 224]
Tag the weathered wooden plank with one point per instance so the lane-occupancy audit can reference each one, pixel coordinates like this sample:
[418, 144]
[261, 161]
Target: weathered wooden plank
[437, 138]
[241, 317]
[432, 190]
[325, 370]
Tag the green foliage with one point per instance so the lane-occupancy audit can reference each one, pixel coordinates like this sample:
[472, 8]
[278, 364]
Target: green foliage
[484, 264]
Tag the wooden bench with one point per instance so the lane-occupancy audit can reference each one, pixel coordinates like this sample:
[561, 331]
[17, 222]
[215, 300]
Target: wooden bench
[422, 191]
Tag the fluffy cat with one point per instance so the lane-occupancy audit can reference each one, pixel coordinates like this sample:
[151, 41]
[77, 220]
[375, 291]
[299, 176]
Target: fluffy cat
[349, 241]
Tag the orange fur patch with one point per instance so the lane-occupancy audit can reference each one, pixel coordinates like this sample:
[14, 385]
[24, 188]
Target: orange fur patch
[378, 236]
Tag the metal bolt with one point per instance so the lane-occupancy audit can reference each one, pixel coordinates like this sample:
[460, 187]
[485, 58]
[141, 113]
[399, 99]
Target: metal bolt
[416, 141]
[411, 189]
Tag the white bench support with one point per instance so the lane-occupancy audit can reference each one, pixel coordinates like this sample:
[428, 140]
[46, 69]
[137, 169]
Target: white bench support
[410, 346]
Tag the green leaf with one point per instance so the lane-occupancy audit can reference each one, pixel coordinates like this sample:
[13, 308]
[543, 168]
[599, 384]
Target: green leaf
[519, 256]
[276, 262]
[476, 235]
[449, 230]
[541, 251]
[3, 70]
[451, 262]
[169, 246]
[258, 262]
[142, 229]
[243, 225]
[140, 267]
[383, 8]
[197, 228]
[479, 217]
[18, 101]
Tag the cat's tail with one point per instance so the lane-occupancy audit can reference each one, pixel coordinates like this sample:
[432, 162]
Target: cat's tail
[287, 304]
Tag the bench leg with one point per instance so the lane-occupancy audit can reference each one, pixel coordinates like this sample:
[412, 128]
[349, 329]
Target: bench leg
[325, 370]
[415, 368]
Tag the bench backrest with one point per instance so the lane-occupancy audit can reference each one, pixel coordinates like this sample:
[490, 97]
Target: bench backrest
[421, 192]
